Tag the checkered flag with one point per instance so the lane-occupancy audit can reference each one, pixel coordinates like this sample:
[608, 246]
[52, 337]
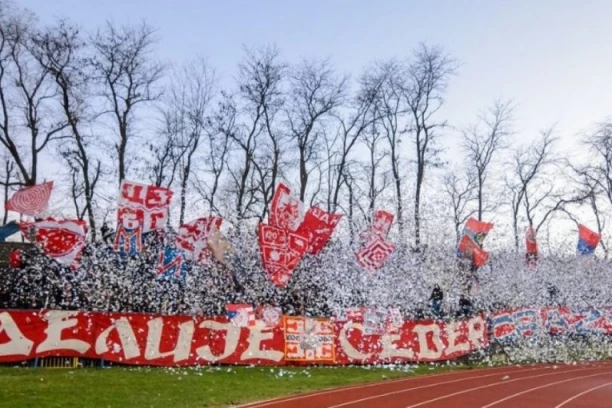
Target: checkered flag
[375, 254]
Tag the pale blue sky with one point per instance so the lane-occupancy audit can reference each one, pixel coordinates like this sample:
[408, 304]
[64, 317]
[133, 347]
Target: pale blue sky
[552, 57]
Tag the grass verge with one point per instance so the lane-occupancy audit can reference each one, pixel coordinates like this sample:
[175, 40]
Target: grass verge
[182, 387]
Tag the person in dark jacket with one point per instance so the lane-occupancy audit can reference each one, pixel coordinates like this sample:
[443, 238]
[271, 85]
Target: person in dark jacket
[466, 309]
[435, 301]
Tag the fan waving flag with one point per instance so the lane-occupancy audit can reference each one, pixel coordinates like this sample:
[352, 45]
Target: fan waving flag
[32, 201]
[60, 240]
[587, 240]
[286, 211]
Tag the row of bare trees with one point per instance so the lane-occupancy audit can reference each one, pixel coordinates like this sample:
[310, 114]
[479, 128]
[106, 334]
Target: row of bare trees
[99, 107]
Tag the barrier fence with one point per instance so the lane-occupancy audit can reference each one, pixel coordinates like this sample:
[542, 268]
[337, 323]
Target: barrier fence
[142, 339]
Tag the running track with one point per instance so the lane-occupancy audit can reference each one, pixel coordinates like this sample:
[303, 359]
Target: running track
[587, 385]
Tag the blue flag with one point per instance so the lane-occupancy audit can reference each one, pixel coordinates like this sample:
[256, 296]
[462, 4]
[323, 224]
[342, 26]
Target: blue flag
[8, 230]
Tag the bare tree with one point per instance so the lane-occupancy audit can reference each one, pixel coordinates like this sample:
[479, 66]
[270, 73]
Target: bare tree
[595, 178]
[163, 161]
[426, 79]
[461, 192]
[599, 172]
[352, 126]
[215, 159]
[315, 92]
[528, 166]
[376, 176]
[530, 186]
[127, 76]
[60, 50]
[7, 182]
[27, 120]
[482, 143]
[186, 117]
[392, 111]
[253, 129]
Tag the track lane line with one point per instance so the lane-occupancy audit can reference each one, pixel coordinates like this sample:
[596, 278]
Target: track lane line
[509, 397]
[344, 404]
[272, 401]
[567, 401]
[496, 384]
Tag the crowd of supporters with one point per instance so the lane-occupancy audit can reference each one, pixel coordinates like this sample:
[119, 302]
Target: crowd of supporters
[421, 285]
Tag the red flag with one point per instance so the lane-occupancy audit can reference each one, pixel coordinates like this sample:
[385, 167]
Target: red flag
[381, 224]
[477, 230]
[193, 237]
[587, 240]
[286, 211]
[318, 226]
[60, 240]
[32, 200]
[531, 246]
[281, 252]
[470, 249]
[375, 254]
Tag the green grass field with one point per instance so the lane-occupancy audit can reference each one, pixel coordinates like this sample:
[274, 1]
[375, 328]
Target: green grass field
[180, 387]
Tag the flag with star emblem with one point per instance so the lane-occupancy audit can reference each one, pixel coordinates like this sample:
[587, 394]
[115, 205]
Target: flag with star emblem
[286, 211]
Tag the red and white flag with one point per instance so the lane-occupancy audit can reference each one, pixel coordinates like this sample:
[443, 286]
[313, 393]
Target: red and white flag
[381, 224]
[286, 211]
[375, 254]
[32, 201]
[193, 237]
[318, 226]
[61, 240]
[241, 315]
[281, 251]
[143, 206]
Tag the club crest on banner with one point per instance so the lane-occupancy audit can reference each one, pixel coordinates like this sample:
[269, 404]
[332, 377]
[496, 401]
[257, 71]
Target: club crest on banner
[270, 316]
[309, 339]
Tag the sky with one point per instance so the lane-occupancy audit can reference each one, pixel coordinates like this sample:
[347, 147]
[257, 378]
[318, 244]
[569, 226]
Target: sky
[552, 58]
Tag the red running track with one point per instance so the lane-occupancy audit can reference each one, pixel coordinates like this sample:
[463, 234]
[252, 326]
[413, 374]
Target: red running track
[587, 385]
